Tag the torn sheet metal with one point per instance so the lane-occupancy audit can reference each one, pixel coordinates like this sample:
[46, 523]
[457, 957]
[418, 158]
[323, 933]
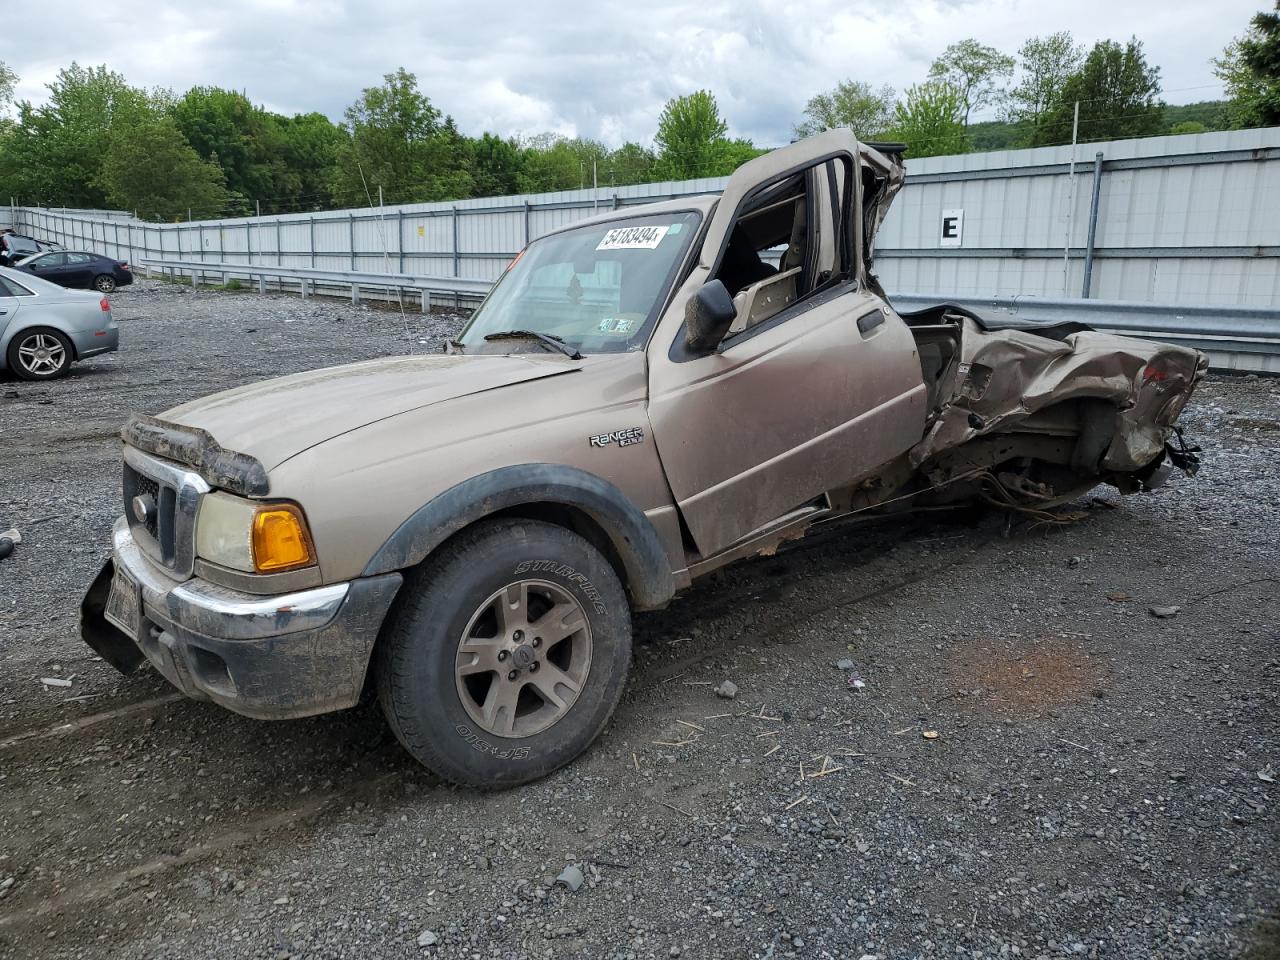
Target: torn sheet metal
[1001, 378]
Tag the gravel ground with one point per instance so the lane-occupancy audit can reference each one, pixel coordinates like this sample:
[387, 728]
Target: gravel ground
[946, 740]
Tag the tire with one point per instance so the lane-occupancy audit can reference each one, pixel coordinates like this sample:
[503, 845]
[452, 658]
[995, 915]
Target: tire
[486, 703]
[104, 283]
[40, 353]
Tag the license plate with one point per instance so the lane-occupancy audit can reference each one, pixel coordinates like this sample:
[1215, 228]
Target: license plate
[124, 605]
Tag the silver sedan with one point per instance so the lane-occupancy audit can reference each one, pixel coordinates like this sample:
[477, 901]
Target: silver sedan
[44, 328]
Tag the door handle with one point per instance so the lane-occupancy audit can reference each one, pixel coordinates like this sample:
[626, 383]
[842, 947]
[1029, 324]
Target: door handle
[869, 321]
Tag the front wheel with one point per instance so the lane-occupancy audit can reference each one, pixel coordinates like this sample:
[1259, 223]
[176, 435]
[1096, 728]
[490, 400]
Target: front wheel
[507, 653]
[104, 283]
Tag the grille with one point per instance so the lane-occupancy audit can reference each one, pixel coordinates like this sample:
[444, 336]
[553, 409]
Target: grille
[156, 536]
[169, 537]
[145, 486]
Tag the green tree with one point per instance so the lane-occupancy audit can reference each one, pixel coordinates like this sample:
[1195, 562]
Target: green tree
[1250, 68]
[929, 119]
[1187, 126]
[975, 71]
[690, 138]
[734, 153]
[54, 153]
[1118, 93]
[250, 144]
[552, 162]
[8, 80]
[400, 142]
[311, 142]
[150, 167]
[1045, 64]
[853, 104]
[630, 163]
[495, 166]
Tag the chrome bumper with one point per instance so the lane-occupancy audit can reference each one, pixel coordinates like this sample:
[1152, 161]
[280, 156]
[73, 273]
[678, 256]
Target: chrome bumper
[272, 657]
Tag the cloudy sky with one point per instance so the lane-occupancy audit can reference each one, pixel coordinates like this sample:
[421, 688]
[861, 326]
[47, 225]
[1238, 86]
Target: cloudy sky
[600, 69]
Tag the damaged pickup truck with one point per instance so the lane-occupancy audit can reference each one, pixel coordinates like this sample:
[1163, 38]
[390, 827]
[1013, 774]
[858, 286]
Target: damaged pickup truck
[642, 398]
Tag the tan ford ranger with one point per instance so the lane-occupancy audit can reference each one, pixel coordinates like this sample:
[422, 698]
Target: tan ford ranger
[642, 398]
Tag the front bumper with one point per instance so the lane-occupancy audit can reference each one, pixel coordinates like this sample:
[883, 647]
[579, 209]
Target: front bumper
[277, 657]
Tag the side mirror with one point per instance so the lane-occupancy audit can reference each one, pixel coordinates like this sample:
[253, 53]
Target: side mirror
[708, 316]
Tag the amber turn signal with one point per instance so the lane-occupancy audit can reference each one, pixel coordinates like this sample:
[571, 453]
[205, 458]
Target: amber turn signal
[280, 539]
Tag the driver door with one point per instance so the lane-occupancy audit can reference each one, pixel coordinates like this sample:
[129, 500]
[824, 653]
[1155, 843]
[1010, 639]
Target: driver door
[49, 267]
[816, 388]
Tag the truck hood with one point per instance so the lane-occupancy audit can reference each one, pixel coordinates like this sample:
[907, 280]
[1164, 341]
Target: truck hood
[277, 419]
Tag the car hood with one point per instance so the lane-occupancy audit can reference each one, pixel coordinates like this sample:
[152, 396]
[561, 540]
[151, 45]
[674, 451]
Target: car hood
[277, 419]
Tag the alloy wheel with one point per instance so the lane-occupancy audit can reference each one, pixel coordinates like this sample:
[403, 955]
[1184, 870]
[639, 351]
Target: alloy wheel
[41, 354]
[523, 659]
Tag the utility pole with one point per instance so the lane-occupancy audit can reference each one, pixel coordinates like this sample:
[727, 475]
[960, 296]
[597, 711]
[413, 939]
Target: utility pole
[258, 205]
[1071, 200]
[595, 187]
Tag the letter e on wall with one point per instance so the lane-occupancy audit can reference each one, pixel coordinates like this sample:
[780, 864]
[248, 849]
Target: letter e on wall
[952, 228]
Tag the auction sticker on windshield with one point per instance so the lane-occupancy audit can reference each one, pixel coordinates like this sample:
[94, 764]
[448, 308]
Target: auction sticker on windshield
[633, 238]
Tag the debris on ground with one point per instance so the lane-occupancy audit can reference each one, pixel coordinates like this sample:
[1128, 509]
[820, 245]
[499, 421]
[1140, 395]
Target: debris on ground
[1165, 612]
[7, 541]
[428, 938]
[55, 682]
[727, 690]
[571, 877]
[845, 664]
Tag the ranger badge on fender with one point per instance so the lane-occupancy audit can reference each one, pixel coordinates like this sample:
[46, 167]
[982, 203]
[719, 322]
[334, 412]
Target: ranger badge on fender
[622, 438]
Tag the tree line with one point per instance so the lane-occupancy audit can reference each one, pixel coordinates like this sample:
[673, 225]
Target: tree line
[97, 141]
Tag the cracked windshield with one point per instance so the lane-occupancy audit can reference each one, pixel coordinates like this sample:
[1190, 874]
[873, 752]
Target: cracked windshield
[596, 288]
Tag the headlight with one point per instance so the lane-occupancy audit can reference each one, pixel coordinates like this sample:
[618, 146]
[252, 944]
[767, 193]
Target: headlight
[251, 536]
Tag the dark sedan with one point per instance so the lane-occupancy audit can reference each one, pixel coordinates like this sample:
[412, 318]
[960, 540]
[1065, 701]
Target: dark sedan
[72, 268]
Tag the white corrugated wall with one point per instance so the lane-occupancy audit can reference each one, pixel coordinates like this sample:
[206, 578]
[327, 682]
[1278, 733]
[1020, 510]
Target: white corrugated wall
[1191, 219]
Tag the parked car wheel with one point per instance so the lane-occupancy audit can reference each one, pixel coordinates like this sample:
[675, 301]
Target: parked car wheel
[104, 283]
[507, 653]
[40, 354]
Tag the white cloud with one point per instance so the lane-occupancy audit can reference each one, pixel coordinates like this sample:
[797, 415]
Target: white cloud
[602, 70]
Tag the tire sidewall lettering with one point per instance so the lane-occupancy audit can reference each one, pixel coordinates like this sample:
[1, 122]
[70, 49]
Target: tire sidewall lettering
[478, 742]
[564, 572]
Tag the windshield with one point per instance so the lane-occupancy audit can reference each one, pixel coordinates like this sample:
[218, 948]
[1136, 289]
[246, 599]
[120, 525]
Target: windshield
[597, 288]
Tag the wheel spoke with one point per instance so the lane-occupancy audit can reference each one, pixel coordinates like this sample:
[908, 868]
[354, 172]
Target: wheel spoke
[563, 620]
[555, 685]
[499, 710]
[478, 656]
[512, 608]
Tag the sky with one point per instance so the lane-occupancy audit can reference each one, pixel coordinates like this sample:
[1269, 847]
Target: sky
[599, 69]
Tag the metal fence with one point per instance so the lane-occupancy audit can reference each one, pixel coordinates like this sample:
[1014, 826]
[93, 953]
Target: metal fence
[1245, 339]
[1189, 219]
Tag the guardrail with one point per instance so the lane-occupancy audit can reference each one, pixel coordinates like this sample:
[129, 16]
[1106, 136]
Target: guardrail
[1246, 339]
[308, 279]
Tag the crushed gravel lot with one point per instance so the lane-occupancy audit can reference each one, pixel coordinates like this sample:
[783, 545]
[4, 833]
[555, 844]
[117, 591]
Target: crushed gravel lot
[949, 739]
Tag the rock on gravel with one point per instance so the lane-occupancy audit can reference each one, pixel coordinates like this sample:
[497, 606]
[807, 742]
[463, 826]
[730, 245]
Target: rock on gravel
[727, 690]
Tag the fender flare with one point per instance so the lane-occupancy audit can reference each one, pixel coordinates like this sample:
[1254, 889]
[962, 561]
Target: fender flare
[649, 577]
